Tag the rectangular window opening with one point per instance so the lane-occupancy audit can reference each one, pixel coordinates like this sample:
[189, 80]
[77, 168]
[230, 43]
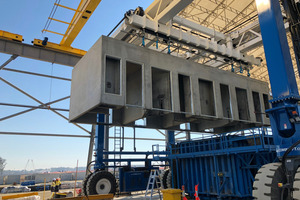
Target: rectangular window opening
[257, 106]
[185, 93]
[112, 75]
[207, 101]
[161, 89]
[242, 103]
[225, 96]
[266, 103]
[134, 86]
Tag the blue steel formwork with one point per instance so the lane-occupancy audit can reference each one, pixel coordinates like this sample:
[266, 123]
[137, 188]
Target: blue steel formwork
[224, 165]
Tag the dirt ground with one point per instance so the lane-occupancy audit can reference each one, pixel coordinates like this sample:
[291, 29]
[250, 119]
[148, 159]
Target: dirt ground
[41, 194]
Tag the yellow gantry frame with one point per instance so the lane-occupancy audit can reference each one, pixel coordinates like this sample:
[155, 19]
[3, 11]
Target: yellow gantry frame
[82, 14]
[11, 36]
[59, 47]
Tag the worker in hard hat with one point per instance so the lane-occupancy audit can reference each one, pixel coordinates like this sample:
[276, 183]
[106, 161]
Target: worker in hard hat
[57, 184]
[53, 184]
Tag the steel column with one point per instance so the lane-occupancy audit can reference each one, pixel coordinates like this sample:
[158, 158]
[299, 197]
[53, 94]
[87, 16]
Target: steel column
[99, 142]
[279, 62]
[90, 153]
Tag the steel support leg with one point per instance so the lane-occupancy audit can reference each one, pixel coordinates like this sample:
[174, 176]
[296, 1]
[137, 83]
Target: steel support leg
[99, 142]
[106, 138]
[91, 147]
[170, 137]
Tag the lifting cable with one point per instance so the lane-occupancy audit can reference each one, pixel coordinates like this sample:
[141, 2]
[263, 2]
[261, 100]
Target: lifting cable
[51, 15]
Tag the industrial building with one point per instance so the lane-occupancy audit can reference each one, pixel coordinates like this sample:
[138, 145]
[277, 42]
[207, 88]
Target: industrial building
[214, 82]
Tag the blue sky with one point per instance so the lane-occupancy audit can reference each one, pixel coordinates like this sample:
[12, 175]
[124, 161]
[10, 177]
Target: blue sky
[28, 18]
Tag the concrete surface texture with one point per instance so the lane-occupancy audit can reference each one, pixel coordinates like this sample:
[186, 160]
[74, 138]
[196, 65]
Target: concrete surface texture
[167, 91]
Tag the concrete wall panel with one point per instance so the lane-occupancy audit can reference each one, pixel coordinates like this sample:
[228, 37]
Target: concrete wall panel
[11, 179]
[140, 83]
[2, 180]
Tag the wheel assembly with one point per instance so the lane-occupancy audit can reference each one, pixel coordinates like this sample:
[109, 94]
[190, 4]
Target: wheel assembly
[84, 183]
[169, 180]
[101, 182]
[265, 186]
[164, 178]
[296, 185]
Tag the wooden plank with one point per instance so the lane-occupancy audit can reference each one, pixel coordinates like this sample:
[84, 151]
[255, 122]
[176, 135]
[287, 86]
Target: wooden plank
[14, 196]
[91, 197]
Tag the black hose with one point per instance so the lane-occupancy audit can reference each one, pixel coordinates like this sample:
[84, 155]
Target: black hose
[287, 153]
[88, 165]
[116, 26]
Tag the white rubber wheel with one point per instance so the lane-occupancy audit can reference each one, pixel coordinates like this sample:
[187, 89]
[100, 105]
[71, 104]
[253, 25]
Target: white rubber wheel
[103, 186]
[296, 185]
[101, 182]
[265, 186]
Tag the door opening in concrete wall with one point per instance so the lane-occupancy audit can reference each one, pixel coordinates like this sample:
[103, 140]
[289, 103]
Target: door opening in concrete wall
[225, 96]
[134, 84]
[207, 102]
[161, 89]
[112, 75]
[266, 103]
[185, 93]
[242, 103]
[257, 106]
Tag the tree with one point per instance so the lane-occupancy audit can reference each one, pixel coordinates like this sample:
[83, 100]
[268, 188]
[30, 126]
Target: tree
[2, 165]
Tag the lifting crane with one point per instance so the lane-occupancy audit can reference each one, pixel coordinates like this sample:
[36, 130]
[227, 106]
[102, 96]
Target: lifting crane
[217, 162]
[220, 164]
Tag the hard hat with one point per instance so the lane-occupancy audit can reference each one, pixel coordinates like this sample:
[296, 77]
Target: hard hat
[54, 179]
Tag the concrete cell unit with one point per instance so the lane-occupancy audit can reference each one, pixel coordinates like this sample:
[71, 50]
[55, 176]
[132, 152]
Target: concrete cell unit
[11, 179]
[65, 176]
[39, 178]
[138, 83]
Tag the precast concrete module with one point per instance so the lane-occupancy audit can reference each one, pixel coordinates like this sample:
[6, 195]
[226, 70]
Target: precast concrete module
[132, 82]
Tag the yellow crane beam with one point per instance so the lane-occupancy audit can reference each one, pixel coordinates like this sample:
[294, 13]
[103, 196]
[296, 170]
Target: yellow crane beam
[82, 14]
[58, 47]
[11, 36]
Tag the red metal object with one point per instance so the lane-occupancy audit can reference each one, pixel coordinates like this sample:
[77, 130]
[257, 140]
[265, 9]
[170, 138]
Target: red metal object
[196, 192]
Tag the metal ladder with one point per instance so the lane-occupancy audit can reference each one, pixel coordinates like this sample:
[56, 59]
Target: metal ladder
[117, 145]
[154, 179]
